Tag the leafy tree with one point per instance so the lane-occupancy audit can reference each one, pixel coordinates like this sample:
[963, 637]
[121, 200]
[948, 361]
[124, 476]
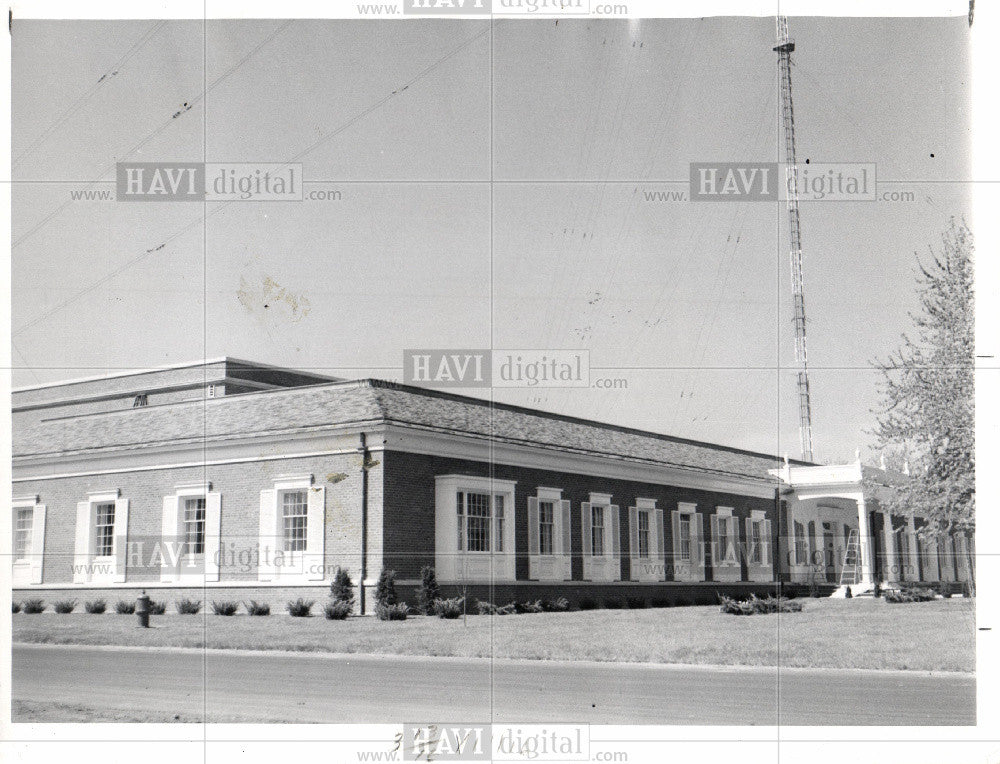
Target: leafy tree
[429, 590]
[385, 590]
[927, 410]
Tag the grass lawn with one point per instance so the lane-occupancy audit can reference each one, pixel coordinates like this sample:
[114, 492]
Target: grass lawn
[858, 633]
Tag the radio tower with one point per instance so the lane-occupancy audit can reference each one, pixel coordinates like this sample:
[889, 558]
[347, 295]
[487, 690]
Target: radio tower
[784, 50]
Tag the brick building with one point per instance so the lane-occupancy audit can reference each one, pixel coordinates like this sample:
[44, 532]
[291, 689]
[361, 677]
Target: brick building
[236, 480]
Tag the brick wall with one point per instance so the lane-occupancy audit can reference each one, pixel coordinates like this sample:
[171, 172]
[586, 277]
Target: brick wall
[239, 485]
[409, 508]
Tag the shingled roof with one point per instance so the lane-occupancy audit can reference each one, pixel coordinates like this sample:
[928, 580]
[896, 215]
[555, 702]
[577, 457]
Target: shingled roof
[368, 402]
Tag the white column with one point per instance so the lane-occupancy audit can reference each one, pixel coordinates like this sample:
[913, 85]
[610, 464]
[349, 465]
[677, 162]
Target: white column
[864, 541]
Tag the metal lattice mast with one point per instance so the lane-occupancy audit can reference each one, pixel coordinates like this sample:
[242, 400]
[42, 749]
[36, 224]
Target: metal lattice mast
[784, 50]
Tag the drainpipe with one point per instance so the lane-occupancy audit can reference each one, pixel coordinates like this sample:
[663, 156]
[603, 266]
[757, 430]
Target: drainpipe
[363, 575]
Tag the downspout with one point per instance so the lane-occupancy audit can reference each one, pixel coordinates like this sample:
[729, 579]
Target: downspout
[364, 522]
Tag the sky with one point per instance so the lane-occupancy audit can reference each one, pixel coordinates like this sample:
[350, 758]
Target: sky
[492, 193]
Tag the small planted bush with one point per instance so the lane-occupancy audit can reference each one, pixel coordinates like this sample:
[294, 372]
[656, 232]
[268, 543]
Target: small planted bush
[188, 607]
[430, 592]
[909, 594]
[397, 612]
[615, 604]
[560, 605]
[157, 608]
[15, 607]
[300, 608]
[225, 607]
[95, 607]
[257, 608]
[588, 603]
[124, 607]
[755, 605]
[485, 608]
[636, 603]
[385, 590]
[342, 588]
[64, 606]
[33, 606]
[530, 607]
[449, 609]
[337, 610]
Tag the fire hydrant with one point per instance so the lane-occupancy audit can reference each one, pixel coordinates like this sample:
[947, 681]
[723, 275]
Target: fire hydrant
[142, 608]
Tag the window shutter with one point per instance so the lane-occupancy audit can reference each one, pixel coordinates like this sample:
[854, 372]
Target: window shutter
[767, 542]
[751, 551]
[633, 531]
[718, 553]
[170, 544]
[658, 543]
[675, 531]
[213, 535]
[119, 541]
[697, 545]
[81, 549]
[534, 543]
[37, 543]
[567, 540]
[315, 557]
[616, 542]
[586, 519]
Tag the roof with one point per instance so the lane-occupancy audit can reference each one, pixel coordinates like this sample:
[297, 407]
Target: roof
[371, 402]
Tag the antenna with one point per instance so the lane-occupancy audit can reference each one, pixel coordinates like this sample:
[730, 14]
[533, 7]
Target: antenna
[784, 50]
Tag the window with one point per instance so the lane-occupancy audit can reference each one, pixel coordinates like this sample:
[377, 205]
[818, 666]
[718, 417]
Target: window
[104, 543]
[801, 555]
[726, 526]
[643, 533]
[294, 514]
[475, 516]
[546, 527]
[498, 512]
[23, 520]
[597, 531]
[684, 525]
[479, 522]
[194, 525]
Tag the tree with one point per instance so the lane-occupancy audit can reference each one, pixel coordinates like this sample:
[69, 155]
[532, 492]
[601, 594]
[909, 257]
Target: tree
[342, 588]
[385, 589]
[927, 410]
[429, 590]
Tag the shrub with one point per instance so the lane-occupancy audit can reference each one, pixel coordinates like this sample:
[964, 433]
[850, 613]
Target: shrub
[485, 608]
[430, 592]
[529, 607]
[95, 606]
[33, 606]
[64, 606]
[225, 607]
[908, 594]
[757, 606]
[15, 607]
[661, 602]
[449, 609]
[342, 588]
[188, 607]
[613, 604]
[157, 608]
[508, 609]
[300, 608]
[396, 612]
[385, 590]
[588, 603]
[338, 610]
[560, 605]
[124, 607]
[257, 608]
[636, 603]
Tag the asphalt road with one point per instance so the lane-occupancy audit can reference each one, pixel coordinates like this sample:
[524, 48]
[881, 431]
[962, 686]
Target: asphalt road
[310, 687]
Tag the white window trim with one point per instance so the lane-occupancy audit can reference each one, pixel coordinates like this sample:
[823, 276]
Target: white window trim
[453, 565]
[301, 565]
[692, 569]
[27, 571]
[209, 569]
[89, 567]
[651, 567]
[558, 565]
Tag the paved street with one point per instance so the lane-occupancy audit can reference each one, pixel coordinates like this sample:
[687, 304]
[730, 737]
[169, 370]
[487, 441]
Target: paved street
[314, 687]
